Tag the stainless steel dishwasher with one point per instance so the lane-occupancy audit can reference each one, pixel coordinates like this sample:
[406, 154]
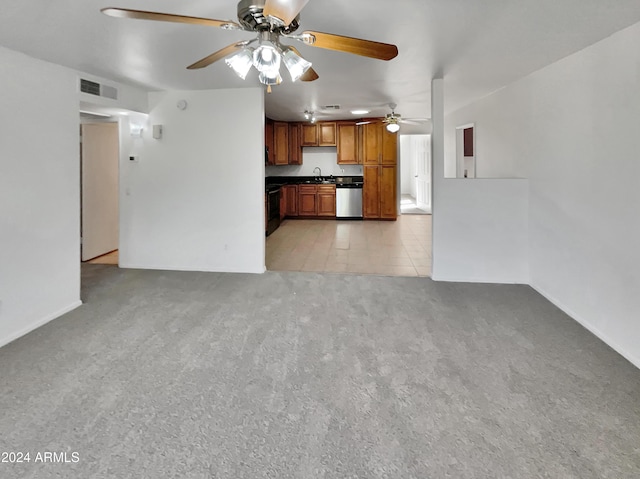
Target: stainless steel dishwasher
[349, 200]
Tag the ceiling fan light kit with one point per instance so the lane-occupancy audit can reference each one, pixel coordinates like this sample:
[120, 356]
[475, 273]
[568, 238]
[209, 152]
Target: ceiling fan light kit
[271, 20]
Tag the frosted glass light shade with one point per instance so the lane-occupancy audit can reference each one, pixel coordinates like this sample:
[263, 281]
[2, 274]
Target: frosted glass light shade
[296, 65]
[393, 127]
[241, 62]
[270, 79]
[266, 59]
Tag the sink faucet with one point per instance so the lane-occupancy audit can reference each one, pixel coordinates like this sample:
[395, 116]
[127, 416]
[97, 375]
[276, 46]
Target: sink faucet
[319, 171]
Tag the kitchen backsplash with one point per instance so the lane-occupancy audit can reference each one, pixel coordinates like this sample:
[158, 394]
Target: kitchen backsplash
[325, 157]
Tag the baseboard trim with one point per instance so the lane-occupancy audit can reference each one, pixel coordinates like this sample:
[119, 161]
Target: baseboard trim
[477, 280]
[592, 329]
[190, 269]
[41, 322]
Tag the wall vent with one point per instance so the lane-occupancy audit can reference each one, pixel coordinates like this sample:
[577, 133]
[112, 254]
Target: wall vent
[93, 88]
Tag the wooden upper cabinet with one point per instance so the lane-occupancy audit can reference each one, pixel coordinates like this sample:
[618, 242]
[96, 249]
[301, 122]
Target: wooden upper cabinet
[389, 148]
[347, 133]
[309, 134]
[372, 143]
[268, 142]
[327, 133]
[318, 134]
[295, 150]
[281, 143]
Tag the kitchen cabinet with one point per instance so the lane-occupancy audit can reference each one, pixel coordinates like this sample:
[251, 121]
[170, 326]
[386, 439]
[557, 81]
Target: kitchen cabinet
[372, 143]
[281, 143]
[347, 142]
[379, 194]
[307, 205]
[326, 200]
[268, 142]
[290, 193]
[295, 150]
[371, 191]
[317, 200]
[388, 197]
[327, 133]
[318, 134]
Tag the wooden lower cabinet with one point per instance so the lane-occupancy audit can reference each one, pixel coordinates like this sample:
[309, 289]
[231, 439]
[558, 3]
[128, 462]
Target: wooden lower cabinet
[290, 194]
[307, 205]
[326, 200]
[371, 192]
[379, 198]
[388, 197]
[317, 200]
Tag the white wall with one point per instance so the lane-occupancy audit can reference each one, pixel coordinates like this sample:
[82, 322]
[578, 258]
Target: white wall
[571, 128]
[195, 198]
[39, 193]
[482, 231]
[324, 157]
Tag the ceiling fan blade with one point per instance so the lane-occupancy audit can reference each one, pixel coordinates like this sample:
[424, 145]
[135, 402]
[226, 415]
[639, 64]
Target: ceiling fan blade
[285, 10]
[219, 55]
[168, 17]
[310, 74]
[357, 46]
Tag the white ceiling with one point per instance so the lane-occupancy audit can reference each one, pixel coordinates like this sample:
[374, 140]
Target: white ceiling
[477, 46]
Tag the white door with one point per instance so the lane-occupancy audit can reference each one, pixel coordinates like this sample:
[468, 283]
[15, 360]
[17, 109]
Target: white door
[99, 160]
[422, 150]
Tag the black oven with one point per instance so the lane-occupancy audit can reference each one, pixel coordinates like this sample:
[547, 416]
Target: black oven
[273, 209]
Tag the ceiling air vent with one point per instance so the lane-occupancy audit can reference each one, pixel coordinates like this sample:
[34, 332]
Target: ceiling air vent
[331, 107]
[93, 88]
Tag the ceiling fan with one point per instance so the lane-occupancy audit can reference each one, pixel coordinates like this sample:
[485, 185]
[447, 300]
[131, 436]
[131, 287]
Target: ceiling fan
[392, 120]
[271, 20]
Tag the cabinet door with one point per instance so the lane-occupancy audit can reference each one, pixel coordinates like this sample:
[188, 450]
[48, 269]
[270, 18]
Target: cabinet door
[372, 143]
[295, 150]
[371, 192]
[291, 193]
[281, 140]
[347, 144]
[326, 200]
[283, 203]
[309, 135]
[307, 200]
[389, 147]
[327, 133]
[268, 142]
[388, 199]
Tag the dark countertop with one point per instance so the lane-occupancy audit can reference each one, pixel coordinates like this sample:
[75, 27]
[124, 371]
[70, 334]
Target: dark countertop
[275, 182]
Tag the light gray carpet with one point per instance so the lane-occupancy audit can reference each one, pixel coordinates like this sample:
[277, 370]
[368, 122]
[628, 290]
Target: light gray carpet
[306, 375]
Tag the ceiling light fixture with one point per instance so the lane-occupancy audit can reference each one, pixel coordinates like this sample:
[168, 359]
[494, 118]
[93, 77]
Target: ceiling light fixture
[393, 127]
[267, 58]
[359, 112]
[241, 62]
[296, 65]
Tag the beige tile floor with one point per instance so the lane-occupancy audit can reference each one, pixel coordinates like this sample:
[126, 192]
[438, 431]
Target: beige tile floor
[391, 248]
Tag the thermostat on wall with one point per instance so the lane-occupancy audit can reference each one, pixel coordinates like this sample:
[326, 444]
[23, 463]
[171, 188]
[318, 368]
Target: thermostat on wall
[157, 131]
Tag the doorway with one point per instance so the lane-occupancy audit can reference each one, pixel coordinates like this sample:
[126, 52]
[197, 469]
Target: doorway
[466, 151]
[99, 215]
[415, 174]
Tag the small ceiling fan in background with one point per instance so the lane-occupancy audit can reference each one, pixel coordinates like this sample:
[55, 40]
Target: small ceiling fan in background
[272, 20]
[393, 120]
